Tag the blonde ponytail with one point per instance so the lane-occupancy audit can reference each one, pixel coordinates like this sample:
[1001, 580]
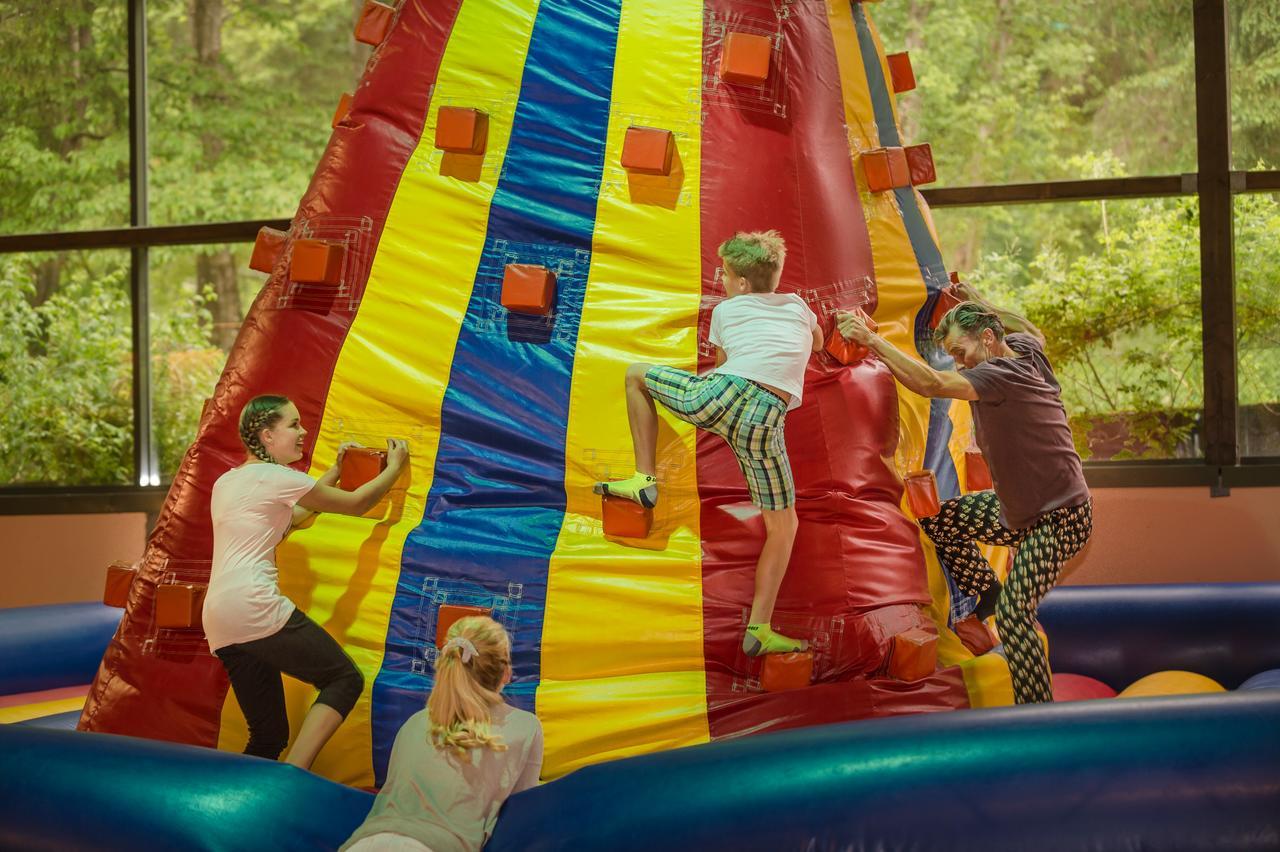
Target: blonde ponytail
[469, 676]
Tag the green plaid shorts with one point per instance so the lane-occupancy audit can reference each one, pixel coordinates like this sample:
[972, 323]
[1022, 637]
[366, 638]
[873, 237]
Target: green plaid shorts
[746, 415]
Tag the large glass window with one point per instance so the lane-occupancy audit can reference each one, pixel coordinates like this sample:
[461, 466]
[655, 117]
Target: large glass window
[1024, 90]
[1257, 227]
[1254, 39]
[64, 139]
[1115, 286]
[66, 375]
[199, 296]
[241, 100]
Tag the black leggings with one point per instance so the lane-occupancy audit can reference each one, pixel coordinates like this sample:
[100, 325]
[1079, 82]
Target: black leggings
[302, 650]
[1043, 548]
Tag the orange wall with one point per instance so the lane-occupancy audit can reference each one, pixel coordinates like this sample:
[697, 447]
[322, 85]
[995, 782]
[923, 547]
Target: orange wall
[1141, 535]
[1180, 535]
[63, 558]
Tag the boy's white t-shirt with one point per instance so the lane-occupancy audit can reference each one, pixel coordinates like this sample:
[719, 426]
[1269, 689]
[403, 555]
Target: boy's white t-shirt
[252, 508]
[766, 337]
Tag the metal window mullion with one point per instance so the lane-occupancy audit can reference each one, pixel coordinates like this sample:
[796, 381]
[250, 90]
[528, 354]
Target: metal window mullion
[1217, 236]
[144, 457]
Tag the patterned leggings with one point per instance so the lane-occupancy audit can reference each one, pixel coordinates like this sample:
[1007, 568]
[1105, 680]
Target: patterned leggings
[1042, 550]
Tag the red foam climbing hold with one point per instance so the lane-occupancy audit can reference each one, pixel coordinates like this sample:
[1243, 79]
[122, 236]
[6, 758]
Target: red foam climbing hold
[360, 465]
[266, 249]
[461, 130]
[845, 350]
[317, 262]
[977, 476]
[625, 518]
[528, 288]
[745, 59]
[178, 605]
[913, 654]
[781, 672]
[922, 493]
[119, 578]
[920, 164]
[885, 169]
[648, 150]
[901, 72]
[447, 614]
[947, 300]
[374, 23]
[344, 109]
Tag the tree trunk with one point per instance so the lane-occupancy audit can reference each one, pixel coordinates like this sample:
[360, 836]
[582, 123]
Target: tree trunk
[48, 278]
[216, 273]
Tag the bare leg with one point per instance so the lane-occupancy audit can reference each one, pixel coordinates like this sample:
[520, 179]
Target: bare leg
[780, 534]
[319, 725]
[643, 416]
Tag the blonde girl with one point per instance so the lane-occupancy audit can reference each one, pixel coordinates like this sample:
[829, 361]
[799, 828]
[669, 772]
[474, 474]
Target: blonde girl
[455, 762]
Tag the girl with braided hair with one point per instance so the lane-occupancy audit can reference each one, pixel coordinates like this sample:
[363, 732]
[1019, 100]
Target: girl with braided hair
[455, 762]
[255, 631]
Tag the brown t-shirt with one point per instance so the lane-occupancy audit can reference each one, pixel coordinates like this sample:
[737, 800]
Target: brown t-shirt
[1021, 428]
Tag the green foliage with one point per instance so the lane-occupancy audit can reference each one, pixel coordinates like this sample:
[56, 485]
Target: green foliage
[1022, 90]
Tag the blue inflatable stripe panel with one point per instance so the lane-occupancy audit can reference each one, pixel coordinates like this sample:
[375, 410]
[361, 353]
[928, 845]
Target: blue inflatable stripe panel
[50, 647]
[1118, 634]
[496, 504]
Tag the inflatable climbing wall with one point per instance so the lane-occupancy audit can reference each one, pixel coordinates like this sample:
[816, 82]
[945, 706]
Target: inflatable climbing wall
[520, 199]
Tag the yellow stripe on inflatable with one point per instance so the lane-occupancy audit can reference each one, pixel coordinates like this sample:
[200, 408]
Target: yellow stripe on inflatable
[622, 640]
[343, 571]
[23, 712]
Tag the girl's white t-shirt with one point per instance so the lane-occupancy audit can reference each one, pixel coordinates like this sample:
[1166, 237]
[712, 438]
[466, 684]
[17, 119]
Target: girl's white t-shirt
[766, 337]
[252, 508]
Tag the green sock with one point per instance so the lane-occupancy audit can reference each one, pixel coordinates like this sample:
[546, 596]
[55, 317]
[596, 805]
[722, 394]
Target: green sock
[640, 488]
[761, 639]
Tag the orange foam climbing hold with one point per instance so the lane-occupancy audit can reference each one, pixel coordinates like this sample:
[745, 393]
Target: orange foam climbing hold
[447, 614]
[119, 578]
[178, 605]
[745, 59]
[374, 23]
[360, 465]
[922, 493]
[528, 288]
[266, 249]
[914, 654]
[901, 72]
[920, 164]
[344, 109]
[461, 130]
[885, 169]
[625, 518]
[648, 150]
[781, 672]
[316, 262]
[845, 350]
[977, 476]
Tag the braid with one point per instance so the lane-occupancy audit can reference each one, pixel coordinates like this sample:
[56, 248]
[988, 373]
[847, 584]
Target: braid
[260, 413]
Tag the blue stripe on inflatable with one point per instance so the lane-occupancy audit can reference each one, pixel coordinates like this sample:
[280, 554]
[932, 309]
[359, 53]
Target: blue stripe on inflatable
[497, 501]
[1118, 634]
[929, 259]
[58, 721]
[49, 647]
[1200, 772]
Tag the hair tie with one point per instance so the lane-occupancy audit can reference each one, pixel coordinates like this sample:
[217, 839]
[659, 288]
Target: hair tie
[466, 646]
